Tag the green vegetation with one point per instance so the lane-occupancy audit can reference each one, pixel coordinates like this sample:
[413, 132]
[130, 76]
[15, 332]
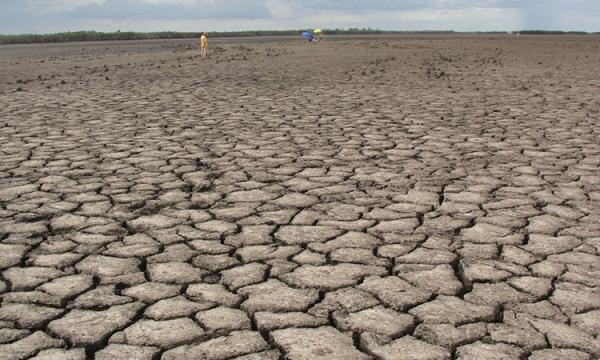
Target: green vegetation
[550, 32]
[130, 35]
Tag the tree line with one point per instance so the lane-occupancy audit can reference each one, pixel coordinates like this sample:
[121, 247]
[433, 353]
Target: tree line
[130, 35]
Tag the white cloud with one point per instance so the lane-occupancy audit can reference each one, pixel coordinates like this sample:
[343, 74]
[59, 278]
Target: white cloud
[488, 19]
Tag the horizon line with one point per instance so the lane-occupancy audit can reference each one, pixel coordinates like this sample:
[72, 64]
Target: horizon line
[352, 29]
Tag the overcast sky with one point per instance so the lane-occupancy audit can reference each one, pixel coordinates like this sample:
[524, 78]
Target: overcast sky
[43, 16]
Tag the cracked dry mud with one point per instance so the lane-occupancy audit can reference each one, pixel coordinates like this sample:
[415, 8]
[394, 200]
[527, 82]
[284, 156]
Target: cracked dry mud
[375, 198]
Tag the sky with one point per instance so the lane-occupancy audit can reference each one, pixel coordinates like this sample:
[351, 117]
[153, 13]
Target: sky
[46, 16]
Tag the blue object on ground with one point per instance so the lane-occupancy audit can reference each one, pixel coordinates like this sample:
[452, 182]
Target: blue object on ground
[308, 36]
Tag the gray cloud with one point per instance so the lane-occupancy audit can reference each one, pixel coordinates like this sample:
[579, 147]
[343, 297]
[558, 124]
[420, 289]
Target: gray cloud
[15, 17]
[221, 9]
[403, 5]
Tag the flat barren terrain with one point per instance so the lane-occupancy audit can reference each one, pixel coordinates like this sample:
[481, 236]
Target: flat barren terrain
[400, 197]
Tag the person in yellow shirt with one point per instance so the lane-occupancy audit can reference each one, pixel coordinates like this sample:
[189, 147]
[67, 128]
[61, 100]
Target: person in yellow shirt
[204, 43]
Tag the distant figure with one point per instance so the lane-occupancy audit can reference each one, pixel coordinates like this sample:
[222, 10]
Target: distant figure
[320, 34]
[204, 43]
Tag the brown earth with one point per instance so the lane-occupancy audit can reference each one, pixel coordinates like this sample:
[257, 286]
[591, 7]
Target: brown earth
[399, 197]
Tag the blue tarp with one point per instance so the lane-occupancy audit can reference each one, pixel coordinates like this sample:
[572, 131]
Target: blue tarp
[308, 36]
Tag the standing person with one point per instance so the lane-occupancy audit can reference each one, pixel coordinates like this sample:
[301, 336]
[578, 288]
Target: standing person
[204, 44]
[320, 34]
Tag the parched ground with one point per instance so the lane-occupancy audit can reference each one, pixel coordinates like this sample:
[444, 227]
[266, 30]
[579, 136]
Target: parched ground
[371, 198]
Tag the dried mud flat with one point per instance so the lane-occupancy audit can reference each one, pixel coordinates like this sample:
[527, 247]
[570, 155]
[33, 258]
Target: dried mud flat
[376, 198]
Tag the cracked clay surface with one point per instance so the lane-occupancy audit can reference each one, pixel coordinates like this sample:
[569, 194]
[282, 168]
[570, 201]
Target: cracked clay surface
[412, 197]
